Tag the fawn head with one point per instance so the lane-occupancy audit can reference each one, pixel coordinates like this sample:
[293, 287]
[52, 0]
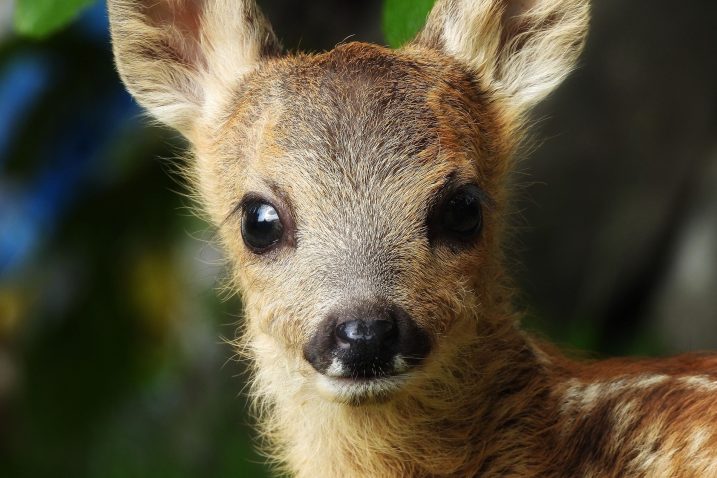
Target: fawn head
[359, 193]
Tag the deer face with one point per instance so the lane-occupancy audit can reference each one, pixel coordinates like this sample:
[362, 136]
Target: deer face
[363, 194]
[360, 192]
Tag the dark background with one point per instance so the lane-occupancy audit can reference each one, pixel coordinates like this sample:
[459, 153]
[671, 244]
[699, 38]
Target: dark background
[112, 359]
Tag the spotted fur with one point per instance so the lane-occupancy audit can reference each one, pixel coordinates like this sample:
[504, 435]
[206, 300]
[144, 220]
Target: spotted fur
[354, 146]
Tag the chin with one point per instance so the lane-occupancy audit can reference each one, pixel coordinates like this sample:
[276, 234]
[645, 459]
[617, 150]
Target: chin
[359, 391]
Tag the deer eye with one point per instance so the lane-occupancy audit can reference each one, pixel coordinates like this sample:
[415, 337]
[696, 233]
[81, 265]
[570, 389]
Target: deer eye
[458, 219]
[261, 226]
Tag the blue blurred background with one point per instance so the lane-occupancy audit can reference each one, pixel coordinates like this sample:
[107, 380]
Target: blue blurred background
[112, 358]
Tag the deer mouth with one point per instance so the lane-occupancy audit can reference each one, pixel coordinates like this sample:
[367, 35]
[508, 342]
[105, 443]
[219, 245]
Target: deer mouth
[358, 390]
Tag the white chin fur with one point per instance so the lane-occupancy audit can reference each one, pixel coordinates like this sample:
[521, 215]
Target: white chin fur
[357, 391]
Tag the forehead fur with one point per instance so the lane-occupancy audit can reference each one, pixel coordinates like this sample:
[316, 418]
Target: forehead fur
[359, 104]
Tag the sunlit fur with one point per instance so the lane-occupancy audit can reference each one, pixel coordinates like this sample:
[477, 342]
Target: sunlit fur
[178, 70]
[523, 48]
[357, 142]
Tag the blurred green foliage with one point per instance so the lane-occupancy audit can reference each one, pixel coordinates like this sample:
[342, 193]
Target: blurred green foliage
[402, 19]
[40, 18]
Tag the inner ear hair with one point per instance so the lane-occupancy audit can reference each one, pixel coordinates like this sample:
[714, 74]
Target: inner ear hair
[180, 58]
[522, 49]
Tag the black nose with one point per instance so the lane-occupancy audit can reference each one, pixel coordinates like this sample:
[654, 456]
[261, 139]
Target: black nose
[365, 340]
[365, 332]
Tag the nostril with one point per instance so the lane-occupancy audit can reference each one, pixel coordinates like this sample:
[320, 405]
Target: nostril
[384, 329]
[368, 331]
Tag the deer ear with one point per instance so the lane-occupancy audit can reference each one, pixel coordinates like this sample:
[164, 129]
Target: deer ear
[523, 48]
[181, 58]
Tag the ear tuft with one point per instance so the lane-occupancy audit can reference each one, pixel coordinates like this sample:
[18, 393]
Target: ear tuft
[522, 48]
[178, 58]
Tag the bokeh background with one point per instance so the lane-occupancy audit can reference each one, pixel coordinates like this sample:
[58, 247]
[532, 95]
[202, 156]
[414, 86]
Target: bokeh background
[112, 354]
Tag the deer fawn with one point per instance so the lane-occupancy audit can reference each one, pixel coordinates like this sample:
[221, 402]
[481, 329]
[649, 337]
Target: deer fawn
[361, 196]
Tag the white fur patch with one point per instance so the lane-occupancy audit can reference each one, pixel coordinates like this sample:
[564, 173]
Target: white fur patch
[336, 369]
[699, 382]
[346, 390]
[586, 395]
[399, 364]
[624, 415]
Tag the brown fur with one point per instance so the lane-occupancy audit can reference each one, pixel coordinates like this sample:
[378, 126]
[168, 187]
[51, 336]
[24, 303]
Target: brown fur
[353, 146]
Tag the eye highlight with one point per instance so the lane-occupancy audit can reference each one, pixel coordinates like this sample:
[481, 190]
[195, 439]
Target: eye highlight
[261, 226]
[458, 218]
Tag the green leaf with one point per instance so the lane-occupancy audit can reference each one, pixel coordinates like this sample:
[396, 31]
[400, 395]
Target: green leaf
[402, 19]
[40, 18]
